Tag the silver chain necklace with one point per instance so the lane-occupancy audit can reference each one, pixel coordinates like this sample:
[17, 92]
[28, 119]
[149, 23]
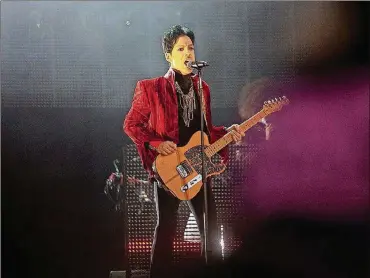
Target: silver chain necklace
[187, 102]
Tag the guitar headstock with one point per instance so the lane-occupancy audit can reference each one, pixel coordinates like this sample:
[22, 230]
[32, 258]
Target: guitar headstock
[274, 105]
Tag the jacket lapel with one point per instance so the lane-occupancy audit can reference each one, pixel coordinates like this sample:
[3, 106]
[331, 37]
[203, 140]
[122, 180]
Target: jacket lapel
[170, 106]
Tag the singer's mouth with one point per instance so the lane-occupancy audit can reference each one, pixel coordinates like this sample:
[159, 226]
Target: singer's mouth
[187, 62]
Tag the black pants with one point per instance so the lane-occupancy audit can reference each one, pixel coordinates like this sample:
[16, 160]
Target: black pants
[164, 235]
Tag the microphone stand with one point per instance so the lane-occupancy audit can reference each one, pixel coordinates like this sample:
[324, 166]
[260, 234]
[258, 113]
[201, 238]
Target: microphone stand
[205, 215]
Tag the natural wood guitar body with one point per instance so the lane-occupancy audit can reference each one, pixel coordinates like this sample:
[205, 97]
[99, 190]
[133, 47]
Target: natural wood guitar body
[181, 171]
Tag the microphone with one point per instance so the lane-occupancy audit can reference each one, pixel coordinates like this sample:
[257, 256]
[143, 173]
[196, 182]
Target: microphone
[196, 64]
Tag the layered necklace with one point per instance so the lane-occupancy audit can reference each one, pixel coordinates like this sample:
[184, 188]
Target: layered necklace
[187, 102]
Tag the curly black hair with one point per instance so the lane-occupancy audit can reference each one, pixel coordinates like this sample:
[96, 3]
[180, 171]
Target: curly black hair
[170, 37]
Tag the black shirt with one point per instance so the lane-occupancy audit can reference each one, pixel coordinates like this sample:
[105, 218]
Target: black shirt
[186, 132]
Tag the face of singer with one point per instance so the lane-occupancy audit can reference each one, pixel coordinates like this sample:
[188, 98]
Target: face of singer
[182, 51]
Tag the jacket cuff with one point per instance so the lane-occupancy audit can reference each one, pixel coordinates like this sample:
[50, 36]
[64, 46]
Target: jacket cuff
[152, 145]
[155, 144]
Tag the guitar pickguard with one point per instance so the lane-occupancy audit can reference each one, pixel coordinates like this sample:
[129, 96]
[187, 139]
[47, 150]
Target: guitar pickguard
[193, 155]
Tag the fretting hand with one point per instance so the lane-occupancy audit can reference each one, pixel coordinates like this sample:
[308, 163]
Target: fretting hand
[236, 133]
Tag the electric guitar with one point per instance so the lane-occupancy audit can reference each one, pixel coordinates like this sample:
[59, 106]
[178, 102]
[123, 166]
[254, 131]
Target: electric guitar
[181, 171]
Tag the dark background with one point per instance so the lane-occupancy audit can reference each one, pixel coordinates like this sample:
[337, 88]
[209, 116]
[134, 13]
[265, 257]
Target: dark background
[68, 72]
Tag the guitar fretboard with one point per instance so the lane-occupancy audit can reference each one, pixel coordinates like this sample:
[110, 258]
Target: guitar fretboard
[227, 138]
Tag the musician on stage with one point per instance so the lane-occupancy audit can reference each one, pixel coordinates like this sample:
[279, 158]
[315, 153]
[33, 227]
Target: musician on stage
[165, 113]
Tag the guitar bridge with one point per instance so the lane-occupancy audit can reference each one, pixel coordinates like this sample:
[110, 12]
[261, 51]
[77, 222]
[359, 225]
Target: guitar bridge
[184, 169]
[191, 183]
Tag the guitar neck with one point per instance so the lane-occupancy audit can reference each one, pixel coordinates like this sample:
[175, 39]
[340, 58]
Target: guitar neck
[227, 139]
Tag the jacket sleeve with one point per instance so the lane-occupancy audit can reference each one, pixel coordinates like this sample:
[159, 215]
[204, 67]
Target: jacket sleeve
[216, 132]
[136, 126]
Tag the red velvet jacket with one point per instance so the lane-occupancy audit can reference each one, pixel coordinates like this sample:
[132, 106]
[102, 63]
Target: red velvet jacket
[153, 116]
